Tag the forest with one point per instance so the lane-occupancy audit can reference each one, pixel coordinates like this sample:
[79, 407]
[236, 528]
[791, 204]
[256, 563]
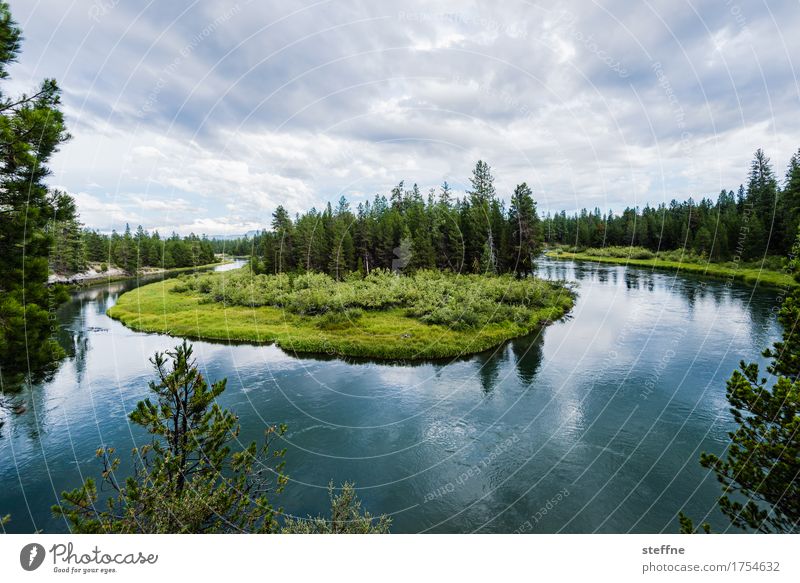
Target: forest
[74, 248]
[479, 233]
[405, 230]
[759, 219]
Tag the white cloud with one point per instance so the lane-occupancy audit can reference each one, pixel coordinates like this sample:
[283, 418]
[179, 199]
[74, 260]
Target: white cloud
[351, 97]
[152, 204]
[212, 226]
[96, 212]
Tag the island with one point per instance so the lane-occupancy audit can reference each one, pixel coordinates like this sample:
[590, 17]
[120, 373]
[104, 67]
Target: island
[383, 315]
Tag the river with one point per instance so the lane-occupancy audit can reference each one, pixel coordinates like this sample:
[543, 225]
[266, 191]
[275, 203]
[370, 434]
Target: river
[594, 425]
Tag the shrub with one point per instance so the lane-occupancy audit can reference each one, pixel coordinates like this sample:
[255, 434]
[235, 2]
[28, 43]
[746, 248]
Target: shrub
[459, 301]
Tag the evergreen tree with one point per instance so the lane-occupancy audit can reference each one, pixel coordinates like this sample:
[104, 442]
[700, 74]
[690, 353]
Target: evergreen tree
[188, 478]
[283, 229]
[478, 222]
[762, 194]
[523, 223]
[68, 252]
[346, 517]
[31, 129]
[790, 198]
[760, 472]
[448, 242]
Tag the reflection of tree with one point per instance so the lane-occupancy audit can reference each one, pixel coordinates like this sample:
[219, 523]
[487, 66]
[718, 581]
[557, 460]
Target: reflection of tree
[763, 315]
[81, 351]
[696, 291]
[489, 362]
[528, 352]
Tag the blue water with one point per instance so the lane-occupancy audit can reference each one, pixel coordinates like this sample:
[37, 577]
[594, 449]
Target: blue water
[594, 425]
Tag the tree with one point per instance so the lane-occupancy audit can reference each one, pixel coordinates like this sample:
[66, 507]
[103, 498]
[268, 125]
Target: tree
[488, 260]
[31, 129]
[790, 197]
[68, 251]
[188, 478]
[482, 183]
[523, 223]
[703, 242]
[760, 473]
[403, 253]
[283, 228]
[762, 193]
[346, 517]
[477, 226]
[448, 245]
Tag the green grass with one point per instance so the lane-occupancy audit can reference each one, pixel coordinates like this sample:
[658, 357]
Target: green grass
[747, 273]
[391, 331]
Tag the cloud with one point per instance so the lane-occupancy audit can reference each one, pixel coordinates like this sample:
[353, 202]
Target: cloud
[97, 212]
[209, 111]
[173, 204]
[223, 226]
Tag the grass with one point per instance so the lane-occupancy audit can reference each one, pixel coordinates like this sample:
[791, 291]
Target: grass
[750, 273]
[396, 330]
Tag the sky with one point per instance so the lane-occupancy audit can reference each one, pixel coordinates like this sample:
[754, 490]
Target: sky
[203, 116]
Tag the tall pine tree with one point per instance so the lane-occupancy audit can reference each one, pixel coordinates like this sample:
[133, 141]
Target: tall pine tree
[31, 129]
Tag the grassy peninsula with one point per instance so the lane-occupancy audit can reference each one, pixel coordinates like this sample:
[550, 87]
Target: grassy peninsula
[770, 273]
[426, 315]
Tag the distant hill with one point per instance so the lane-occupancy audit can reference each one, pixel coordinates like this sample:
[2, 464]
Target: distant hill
[248, 234]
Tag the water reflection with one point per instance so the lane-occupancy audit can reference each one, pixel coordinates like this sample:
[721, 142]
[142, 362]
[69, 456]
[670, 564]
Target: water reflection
[613, 403]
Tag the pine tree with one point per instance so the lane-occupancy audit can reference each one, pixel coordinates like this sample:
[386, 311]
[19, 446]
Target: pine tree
[188, 478]
[478, 220]
[762, 194]
[448, 241]
[31, 129]
[761, 467]
[790, 200]
[68, 252]
[284, 231]
[523, 223]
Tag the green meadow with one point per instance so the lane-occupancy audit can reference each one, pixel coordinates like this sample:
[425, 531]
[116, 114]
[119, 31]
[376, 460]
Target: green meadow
[427, 315]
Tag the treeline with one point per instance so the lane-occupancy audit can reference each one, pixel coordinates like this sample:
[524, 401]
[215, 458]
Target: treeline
[406, 230]
[132, 251]
[478, 233]
[760, 218]
[237, 247]
[73, 247]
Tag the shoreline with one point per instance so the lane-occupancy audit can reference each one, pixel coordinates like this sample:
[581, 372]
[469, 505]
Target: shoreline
[387, 335]
[766, 277]
[102, 278]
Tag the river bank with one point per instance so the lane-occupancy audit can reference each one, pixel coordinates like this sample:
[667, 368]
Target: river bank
[749, 275]
[93, 276]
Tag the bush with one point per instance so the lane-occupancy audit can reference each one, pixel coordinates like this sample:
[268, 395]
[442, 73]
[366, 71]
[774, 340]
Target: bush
[459, 301]
[617, 251]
